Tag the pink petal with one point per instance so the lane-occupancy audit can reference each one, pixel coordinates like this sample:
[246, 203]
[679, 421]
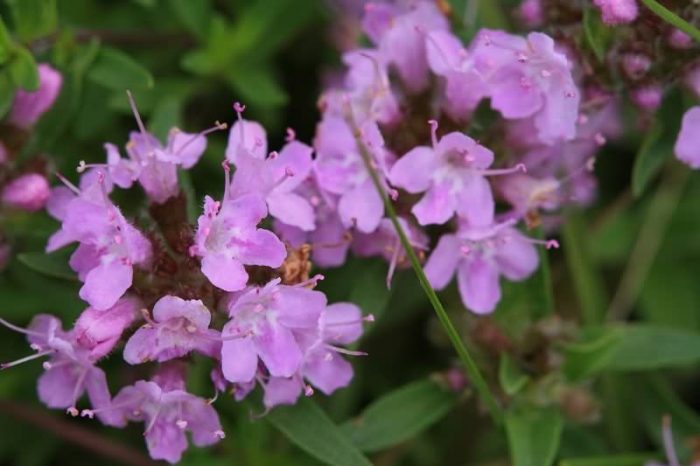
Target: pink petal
[478, 285]
[106, 283]
[224, 272]
[413, 172]
[239, 359]
[278, 350]
[442, 263]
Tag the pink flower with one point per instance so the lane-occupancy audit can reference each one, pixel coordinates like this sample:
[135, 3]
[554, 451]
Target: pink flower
[100, 331]
[168, 412]
[28, 107]
[479, 256]
[618, 11]
[178, 327]
[262, 325]
[227, 238]
[687, 146]
[28, 192]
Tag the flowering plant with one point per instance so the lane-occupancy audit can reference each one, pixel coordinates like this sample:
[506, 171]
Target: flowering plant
[465, 176]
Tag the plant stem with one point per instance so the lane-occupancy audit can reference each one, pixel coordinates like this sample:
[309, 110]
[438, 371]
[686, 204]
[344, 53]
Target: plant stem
[672, 19]
[545, 279]
[475, 376]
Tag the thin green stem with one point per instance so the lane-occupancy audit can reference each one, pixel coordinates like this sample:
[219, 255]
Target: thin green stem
[672, 19]
[475, 376]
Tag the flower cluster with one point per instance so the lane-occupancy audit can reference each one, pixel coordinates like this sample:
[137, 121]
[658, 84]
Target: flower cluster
[168, 290]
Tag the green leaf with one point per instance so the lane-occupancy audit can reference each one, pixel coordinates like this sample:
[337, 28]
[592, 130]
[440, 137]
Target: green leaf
[6, 44]
[399, 416]
[195, 16]
[658, 143]
[259, 86]
[510, 376]
[33, 18]
[23, 71]
[533, 436]
[309, 427]
[597, 33]
[53, 265]
[116, 70]
[631, 348]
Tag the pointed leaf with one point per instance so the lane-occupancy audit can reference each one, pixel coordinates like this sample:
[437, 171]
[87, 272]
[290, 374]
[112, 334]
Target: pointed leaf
[533, 436]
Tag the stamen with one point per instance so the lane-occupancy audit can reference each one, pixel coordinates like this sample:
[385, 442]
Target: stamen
[217, 127]
[82, 166]
[24, 331]
[313, 281]
[339, 349]
[227, 178]
[181, 423]
[392, 264]
[68, 184]
[308, 390]
[667, 436]
[220, 434]
[17, 362]
[73, 411]
[504, 171]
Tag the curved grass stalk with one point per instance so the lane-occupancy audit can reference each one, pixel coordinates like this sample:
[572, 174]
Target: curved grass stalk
[672, 19]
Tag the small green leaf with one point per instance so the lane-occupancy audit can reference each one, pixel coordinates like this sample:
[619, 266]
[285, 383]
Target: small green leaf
[6, 44]
[309, 427]
[33, 18]
[632, 348]
[533, 436]
[23, 70]
[510, 376]
[399, 416]
[195, 16]
[258, 85]
[116, 70]
[658, 143]
[597, 33]
[53, 265]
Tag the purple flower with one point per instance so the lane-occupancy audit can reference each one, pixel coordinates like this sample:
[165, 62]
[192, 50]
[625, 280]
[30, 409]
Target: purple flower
[452, 173]
[70, 370]
[531, 13]
[464, 85]
[528, 77]
[618, 11]
[647, 97]
[367, 87]
[275, 179]
[687, 146]
[679, 39]
[100, 331]
[341, 171]
[480, 256]
[262, 325]
[636, 65]
[247, 137]
[28, 192]
[168, 412]
[399, 32]
[330, 239]
[109, 245]
[322, 364]
[28, 107]
[178, 327]
[153, 164]
[227, 238]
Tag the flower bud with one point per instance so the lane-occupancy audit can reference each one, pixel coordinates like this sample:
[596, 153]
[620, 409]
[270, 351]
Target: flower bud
[99, 331]
[531, 13]
[647, 97]
[28, 192]
[678, 39]
[635, 65]
[28, 107]
[618, 11]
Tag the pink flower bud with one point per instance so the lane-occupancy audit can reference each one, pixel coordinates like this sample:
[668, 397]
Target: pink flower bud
[618, 11]
[99, 331]
[28, 107]
[647, 97]
[530, 13]
[635, 65]
[679, 40]
[28, 192]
